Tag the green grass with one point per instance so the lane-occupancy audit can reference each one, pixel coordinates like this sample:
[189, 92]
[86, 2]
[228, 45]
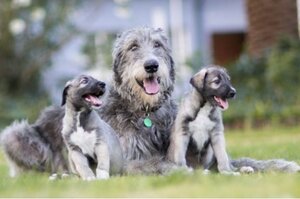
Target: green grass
[262, 144]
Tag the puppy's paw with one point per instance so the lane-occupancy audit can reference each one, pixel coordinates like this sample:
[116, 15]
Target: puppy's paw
[54, 176]
[206, 172]
[189, 169]
[246, 170]
[65, 175]
[102, 174]
[89, 178]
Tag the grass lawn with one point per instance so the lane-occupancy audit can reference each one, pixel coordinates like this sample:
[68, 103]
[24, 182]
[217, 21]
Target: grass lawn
[262, 144]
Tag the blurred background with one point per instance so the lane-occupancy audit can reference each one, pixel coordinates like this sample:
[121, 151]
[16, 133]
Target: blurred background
[44, 43]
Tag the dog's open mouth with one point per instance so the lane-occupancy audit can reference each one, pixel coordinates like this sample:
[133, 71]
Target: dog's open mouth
[93, 99]
[222, 103]
[151, 85]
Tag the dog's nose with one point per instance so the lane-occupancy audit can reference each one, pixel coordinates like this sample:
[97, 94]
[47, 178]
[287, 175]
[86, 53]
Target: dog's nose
[101, 84]
[231, 93]
[151, 66]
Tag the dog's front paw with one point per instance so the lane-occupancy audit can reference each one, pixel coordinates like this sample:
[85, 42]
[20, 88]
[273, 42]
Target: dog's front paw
[206, 172]
[89, 178]
[65, 175]
[54, 176]
[102, 174]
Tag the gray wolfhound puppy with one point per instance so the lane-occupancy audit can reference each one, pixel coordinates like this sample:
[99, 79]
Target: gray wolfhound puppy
[139, 106]
[199, 122]
[199, 131]
[87, 136]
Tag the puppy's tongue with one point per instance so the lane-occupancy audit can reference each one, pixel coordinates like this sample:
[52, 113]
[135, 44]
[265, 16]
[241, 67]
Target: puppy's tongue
[151, 86]
[93, 100]
[223, 104]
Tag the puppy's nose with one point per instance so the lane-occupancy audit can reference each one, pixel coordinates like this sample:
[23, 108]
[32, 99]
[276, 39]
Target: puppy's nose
[151, 66]
[101, 84]
[231, 93]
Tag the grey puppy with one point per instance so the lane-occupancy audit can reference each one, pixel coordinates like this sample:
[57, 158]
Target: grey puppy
[199, 120]
[198, 134]
[89, 139]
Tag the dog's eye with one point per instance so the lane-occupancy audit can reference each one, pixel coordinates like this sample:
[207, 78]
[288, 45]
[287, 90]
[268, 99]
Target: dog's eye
[84, 80]
[157, 44]
[133, 47]
[217, 81]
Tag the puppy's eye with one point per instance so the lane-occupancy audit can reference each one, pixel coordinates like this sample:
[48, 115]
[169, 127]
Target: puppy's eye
[217, 81]
[133, 47]
[157, 44]
[84, 80]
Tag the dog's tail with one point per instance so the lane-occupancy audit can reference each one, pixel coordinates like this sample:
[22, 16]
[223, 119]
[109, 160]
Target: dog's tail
[277, 165]
[24, 148]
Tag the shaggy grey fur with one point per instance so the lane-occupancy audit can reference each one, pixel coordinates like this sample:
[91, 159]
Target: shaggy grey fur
[277, 165]
[38, 146]
[129, 103]
[199, 122]
[88, 138]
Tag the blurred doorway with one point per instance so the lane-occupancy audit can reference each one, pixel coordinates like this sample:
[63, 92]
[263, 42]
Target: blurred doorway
[227, 47]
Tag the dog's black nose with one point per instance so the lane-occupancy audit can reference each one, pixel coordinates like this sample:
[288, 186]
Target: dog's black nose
[101, 84]
[231, 93]
[151, 66]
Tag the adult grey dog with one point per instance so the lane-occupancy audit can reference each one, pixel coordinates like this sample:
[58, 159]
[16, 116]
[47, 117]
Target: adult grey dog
[199, 130]
[89, 139]
[139, 107]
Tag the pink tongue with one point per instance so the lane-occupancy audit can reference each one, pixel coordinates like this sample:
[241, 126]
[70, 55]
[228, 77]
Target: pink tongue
[222, 103]
[151, 86]
[94, 100]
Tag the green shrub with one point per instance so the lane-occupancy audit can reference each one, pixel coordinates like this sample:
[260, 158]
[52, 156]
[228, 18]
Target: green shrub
[268, 87]
[20, 108]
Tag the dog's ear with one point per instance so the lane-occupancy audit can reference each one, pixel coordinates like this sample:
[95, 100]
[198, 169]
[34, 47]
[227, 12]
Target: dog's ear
[198, 80]
[65, 93]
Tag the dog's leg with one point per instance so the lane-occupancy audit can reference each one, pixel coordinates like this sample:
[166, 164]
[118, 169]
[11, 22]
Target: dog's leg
[59, 164]
[14, 170]
[102, 153]
[178, 147]
[219, 148]
[81, 165]
[208, 159]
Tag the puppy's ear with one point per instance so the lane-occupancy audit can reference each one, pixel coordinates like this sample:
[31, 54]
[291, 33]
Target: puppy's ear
[65, 93]
[198, 80]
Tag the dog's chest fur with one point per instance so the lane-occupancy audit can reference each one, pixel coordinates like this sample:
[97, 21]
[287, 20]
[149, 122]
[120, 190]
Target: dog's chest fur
[86, 141]
[138, 141]
[79, 136]
[204, 123]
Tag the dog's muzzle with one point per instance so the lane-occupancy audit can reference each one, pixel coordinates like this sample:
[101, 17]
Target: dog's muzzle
[231, 93]
[92, 97]
[222, 101]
